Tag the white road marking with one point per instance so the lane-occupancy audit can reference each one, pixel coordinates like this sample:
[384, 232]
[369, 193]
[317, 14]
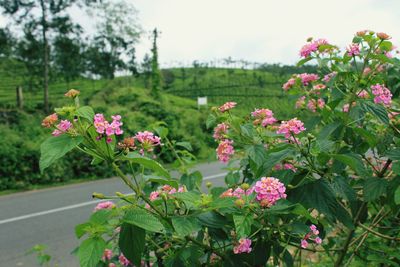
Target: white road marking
[70, 207]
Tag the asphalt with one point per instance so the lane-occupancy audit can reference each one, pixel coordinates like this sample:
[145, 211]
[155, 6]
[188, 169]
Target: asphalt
[49, 216]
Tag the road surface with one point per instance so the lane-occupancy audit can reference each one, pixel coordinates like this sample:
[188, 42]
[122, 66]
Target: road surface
[49, 216]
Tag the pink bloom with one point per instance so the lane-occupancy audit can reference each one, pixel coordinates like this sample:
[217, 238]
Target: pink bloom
[353, 50]
[317, 88]
[243, 246]
[263, 116]
[318, 240]
[269, 190]
[289, 166]
[123, 260]
[313, 227]
[346, 107]
[104, 205]
[225, 150]
[382, 94]
[238, 192]
[147, 141]
[301, 102]
[366, 71]
[313, 104]
[112, 265]
[289, 84]
[103, 127]
[307, 78]
[107, 255]
[220, 131]
[293, 126]
[154, 195]
[56, 132]
[329, 76]
[227, 106]
[62, 127]
[312, 46]
[304, 243]
[363, 94]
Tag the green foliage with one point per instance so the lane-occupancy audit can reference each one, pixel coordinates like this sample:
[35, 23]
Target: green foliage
[132, 242]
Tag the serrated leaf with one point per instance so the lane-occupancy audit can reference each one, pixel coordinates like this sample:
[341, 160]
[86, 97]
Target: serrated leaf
[243, 224]
[148, 163]
[192, 180]
[81, 229]
[185, 225]
[211, 120]
[374, 188]
[143, 219]
[85, 112]
[132, 242]
[354, 161]
[90, 251]
[377, 110]
[56, 147]
[393, 154]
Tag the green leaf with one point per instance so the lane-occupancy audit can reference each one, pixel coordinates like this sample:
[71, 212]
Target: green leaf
[90, 251]
[393, 154]
[185, 145]
[162, 181]
[354, 161]
[211, 120]
[100, 216]
[232, 178]
[257, 153]
[192, 180]
[81, 229]
[273, 158]
[132, 242]
[56, 147]
[143, 219]
[85, 112]
[342, 188]
[303, 61]
[148, 163]
[377, 110]
[367, 136]
[185, 225]
[212, 219]
[374, 188]
[397, 196]
[243, 224]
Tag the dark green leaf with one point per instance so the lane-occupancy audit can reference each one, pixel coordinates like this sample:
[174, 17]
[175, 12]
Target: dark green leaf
[397, 196]
[212, 219]
[377, 110]
[354, 161]
[374, 188]
[56, 147]
[185, 145]
[342, 188]
[192, 180]
[131, 242]
[143, 219]
[185, 225]
[243, 224]
[393, 154]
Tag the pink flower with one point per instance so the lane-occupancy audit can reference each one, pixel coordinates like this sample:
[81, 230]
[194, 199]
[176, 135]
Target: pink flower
[123, 260]
[300, 102]
[312, 46]
[112, 265]
[289, 166]
[304, 243]
[263, 116]
[329, 76]
[293, 126]
[227, 106]
[318, 240]
[346, 107]
[147, 141]
[353, 50]
[363, 94]
[307, 78]
[225, 150]
[220, 131]
[367, 71]
[269, 190]
[289, 84]
[50, 120]
[382, 94]
[154, 195]
[317, 88]
[62, 127]
[104, 205]
[107, 254]
[103, 127]
[243, 246]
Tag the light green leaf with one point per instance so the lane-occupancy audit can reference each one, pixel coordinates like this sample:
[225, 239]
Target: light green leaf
[90, 251]
[192, 180]
[85, 112]
[132, 242]
[148, 163]
[56, 147]
[185, 145]
[143, 219]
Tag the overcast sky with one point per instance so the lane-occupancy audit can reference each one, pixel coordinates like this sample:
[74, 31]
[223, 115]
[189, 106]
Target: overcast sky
[258, 30]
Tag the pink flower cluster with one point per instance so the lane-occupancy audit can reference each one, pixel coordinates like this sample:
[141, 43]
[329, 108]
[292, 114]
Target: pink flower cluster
[104, 205]
[227, 106]
[103, 127]
[313, 232]
[289, 84]
[269, 190]
[62, 127]
[363, 94]
[220, 131]
[107, 255]
[243, 246]
[329, 76]
[300, 103]
[50, 120]
[382, 94]
[147, 141]
[312, 46]
[263, 116]
[307, 78]
[123, 260]
[225, 150]
[293, 126]
[285, 166]
[167, 189]
[353, 50]
[313, 104]
[238, 192]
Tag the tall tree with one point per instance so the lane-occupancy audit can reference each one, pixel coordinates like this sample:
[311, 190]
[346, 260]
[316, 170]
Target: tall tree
[155, 70]
[7, 42]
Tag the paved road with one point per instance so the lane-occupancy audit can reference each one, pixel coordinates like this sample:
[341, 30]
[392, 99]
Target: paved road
[49, 216]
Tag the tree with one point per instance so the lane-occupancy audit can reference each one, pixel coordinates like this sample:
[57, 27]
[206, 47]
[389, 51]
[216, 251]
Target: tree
[117, 33]
[7, 42]
[146, 70]
[155, 71]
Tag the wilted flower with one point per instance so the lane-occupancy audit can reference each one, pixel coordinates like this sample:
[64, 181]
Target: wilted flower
[50, 120]
[127, 143]
[123, 260]
[363, 94]
[383, 36]
[107, 254]
[72, 93]
[313, 104]
[243, 246]
[300, 103]
[329, 76]
[289, 84]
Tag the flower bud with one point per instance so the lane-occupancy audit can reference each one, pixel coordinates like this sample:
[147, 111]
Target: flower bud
[383, 36]
[245, 186]
[98, 195]
[209, 184]
[72, 93]
[239, 203]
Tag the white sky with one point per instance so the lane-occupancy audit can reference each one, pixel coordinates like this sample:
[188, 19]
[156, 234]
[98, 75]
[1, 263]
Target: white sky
[270, 31]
